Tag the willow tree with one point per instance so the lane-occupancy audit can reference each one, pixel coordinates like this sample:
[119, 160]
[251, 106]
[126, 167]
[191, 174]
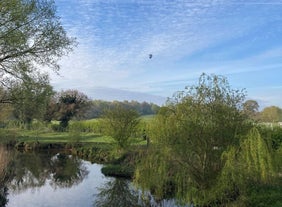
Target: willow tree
[252, 164]
[30, 34]
[189, 136]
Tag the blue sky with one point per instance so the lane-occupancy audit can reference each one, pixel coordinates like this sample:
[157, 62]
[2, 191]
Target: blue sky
[240, 39]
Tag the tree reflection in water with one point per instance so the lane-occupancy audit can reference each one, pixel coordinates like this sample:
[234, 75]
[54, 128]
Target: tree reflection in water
[4, 161]
[120, 192]
[33, 170]
[117, 192]
[67, 171]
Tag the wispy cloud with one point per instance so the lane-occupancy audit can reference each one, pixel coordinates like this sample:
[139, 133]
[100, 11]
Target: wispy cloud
[186, 38]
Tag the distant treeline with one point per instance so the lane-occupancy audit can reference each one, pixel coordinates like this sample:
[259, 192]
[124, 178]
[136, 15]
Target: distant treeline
[97, 107]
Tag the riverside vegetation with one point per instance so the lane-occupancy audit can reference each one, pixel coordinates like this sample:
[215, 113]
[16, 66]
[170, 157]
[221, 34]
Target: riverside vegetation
[102, 149]
[205, 147]
[201, 148]
[86, 139]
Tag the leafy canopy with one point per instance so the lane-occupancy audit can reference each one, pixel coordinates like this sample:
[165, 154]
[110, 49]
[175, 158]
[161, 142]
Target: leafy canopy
[68, 104]
[30, 97]
[120, 123]
[189, 135]
[30, 34]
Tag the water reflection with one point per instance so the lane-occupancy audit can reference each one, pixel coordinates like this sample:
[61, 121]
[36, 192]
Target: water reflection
[31, 179]
[121, 192]
[22, 171]
[117, 192]
[4, 161]
[67, 171]
[32, 170]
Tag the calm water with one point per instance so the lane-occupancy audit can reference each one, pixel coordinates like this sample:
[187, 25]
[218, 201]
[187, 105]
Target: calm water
[51, 194]
[52, 179]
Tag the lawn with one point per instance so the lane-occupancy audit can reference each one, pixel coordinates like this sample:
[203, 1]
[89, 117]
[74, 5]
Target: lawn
[53, 137]
[64, 137]
[86, 131]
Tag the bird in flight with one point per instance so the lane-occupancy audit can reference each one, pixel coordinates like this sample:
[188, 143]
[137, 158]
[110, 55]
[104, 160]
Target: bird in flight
[150, 56]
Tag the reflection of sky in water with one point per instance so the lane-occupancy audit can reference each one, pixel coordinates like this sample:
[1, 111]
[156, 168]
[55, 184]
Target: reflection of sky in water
[78, 195]
[84, 194]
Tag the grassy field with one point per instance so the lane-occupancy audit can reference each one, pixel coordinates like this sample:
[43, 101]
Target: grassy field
[53, 137]
[85, 131]
[64, 137]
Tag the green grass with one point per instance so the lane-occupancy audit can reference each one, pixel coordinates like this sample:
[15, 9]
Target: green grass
[86, 131]
[65, 137]
[53, 137]
[147, 118]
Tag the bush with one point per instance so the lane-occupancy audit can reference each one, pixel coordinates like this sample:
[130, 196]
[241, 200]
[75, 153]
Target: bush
[8, 136]
[118, 171]
[276, 137]
[265, 196]
[274, 134]
[92, 125]
[56, 127]
[75, 133]
[121, 124]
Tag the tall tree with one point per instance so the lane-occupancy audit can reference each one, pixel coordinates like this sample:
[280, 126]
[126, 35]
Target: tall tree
[70, 104]
[188, 138]
[31, 34]
[271, 114]
[30, 97]
[247, 167]
[251, 108]
[6, 108]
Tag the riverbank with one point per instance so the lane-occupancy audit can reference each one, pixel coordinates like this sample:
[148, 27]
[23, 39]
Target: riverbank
[121, 163]
[88, 146]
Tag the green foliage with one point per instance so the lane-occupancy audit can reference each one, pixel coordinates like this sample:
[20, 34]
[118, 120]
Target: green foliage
[273, 133]
[98, 152]
[74, 133]
[8, 135]
[92, 125]
[265, 195]
[60, 169]
[97, 107]
[271, 114]
[117, 192]
[189, 136]
[121, 124]
[30, 33]
[257, 157]
[278, 160]
[30, 97]
[250, 108]
[247, 168]
[276, 137]
[6, 108]
[118, 171]
[69, 104]
[153, 173]
[56, 127]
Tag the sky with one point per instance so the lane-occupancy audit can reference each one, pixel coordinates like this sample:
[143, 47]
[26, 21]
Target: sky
[239, 39]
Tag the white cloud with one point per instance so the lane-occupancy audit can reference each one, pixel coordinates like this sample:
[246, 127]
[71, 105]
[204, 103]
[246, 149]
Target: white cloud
[116, 37]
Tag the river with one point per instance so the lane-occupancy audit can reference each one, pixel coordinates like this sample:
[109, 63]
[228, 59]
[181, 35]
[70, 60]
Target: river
[52, 179]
